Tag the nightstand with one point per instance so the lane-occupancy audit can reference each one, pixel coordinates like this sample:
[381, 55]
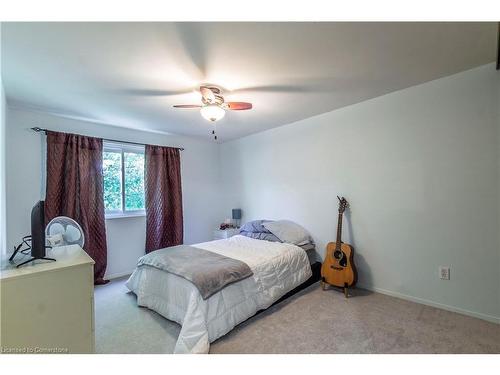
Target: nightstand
[220, 234]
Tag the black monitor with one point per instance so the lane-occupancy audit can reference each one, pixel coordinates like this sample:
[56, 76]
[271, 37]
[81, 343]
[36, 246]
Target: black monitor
[36, 242]
[38, 230]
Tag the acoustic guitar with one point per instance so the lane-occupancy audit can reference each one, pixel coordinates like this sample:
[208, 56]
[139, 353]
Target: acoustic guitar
[338, 269]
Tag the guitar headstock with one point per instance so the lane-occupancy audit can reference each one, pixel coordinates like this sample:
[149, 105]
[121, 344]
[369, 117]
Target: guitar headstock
[343, 204]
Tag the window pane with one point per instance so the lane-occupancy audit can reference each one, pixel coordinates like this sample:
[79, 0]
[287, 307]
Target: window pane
[134, 181]
[112, 170]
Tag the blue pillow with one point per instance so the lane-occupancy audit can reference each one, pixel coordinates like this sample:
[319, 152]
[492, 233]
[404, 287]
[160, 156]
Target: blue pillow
[255, 227]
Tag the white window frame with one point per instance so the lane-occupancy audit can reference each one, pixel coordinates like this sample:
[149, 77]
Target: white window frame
[109, 146]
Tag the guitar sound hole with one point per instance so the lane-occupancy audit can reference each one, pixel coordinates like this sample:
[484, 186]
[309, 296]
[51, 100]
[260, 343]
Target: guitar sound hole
[343, 261]
[341, 257]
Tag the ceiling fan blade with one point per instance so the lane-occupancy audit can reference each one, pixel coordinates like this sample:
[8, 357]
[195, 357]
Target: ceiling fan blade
[207, 94]
[187, 106]
[272, 88]
[151, 92]
[308, 85]
[238, 106]
[193, 38]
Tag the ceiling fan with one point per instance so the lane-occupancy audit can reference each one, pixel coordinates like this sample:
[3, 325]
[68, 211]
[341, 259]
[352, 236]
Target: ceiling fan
[213, 107]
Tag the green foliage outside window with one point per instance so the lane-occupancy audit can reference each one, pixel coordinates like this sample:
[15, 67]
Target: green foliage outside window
[134, 181]
[133, 166]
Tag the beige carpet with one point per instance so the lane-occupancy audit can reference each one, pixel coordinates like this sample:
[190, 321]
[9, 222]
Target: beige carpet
[312, 321]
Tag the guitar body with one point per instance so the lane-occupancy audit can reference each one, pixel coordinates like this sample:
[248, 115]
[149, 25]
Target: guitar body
[338, 268]
[339, 272]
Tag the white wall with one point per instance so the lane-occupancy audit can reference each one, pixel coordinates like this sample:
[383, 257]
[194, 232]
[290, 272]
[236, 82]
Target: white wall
[125, 236]
[420, 168]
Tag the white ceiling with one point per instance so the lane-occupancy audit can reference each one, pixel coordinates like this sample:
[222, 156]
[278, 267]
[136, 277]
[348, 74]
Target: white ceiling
[130, 74]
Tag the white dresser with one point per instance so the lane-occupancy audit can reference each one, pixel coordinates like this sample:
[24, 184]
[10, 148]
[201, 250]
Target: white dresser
[48, 307]
[220, 234]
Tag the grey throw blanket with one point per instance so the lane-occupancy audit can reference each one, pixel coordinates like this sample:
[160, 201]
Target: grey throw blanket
[209, 272]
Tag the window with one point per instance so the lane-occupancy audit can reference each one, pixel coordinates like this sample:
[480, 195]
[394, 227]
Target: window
[123, 169]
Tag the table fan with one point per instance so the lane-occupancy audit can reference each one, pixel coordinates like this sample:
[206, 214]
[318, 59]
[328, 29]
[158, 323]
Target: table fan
[63, 231]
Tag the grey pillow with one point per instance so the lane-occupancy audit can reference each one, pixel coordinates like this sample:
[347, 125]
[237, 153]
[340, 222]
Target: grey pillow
[288, 231]
[261, 236]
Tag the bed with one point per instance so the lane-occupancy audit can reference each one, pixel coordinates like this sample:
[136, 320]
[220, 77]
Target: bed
[279, 269]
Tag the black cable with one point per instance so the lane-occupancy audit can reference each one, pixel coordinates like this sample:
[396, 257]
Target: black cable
[17, 249]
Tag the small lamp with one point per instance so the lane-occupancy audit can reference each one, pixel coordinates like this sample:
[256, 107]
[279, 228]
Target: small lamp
[237, 216]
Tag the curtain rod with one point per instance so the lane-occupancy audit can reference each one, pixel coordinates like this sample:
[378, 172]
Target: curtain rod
[37, 129]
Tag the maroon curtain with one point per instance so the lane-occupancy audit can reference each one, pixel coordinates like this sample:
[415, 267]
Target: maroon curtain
[75, 189]
[164, 223]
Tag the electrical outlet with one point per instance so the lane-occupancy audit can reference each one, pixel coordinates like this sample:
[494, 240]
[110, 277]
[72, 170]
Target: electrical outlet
[444, 273]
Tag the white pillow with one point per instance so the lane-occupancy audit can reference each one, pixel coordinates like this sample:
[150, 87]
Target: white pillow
[288, 231]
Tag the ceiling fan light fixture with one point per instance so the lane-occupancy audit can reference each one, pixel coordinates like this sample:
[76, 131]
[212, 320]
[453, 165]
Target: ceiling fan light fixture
[212, 112]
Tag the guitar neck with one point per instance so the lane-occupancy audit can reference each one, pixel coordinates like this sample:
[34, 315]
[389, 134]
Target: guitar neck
[339, 230]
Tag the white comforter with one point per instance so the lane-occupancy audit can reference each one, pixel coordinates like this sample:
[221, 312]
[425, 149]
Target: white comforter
[277, 269]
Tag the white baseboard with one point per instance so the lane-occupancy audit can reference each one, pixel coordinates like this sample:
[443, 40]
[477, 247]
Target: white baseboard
[118, 275]
[489, 318]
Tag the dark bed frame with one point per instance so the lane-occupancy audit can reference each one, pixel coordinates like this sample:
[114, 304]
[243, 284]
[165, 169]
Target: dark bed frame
[316, 276]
